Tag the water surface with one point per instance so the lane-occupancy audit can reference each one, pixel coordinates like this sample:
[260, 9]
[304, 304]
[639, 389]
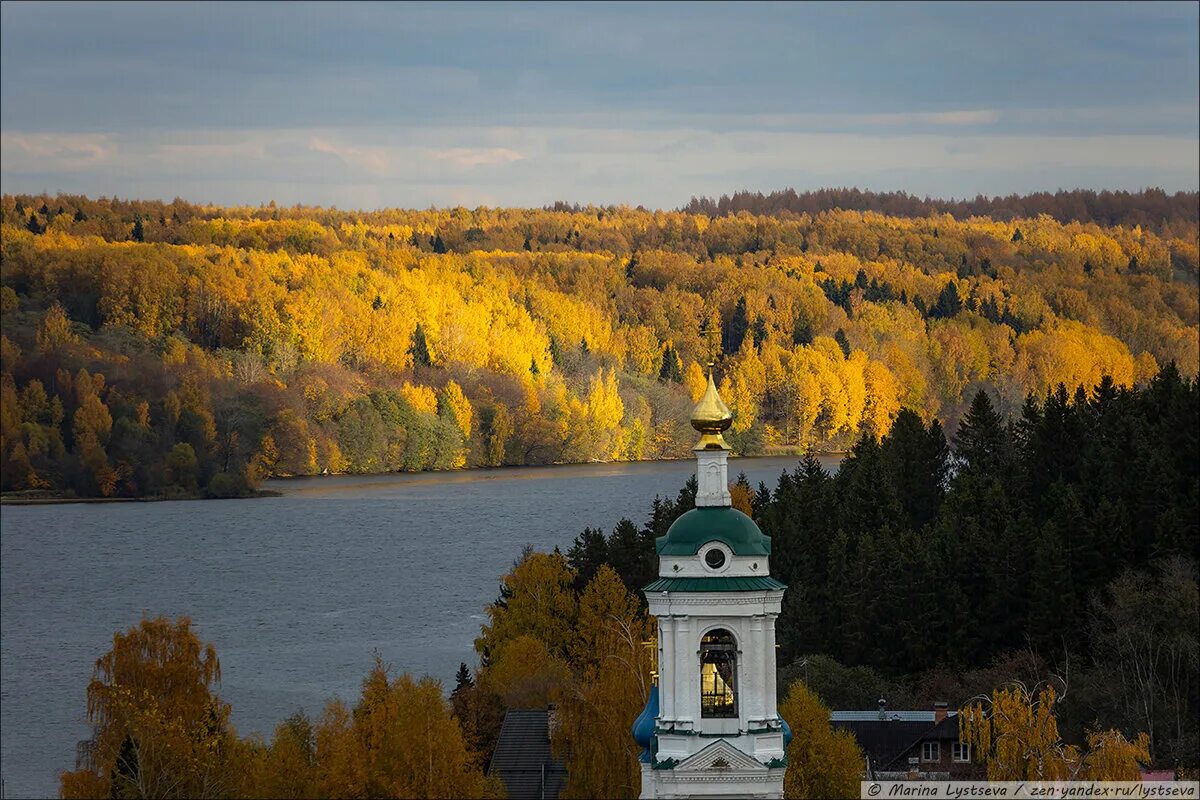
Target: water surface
[296, 592]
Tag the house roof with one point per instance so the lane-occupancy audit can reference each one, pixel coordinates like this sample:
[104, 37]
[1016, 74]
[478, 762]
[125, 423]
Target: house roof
[523, 759]
[886, 741]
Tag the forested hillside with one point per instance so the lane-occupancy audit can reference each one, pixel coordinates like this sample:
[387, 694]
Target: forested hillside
[1151, 208]
[153, 348]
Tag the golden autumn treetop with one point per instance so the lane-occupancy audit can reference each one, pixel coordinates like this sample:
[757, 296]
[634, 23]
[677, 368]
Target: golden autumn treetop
[710, 417]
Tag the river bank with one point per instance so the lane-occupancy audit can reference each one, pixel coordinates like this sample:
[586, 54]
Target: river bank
[38, 497]
[33, 497]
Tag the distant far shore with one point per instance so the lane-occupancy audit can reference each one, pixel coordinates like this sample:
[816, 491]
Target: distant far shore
[773, 452]
[40, 498]
[34, 497]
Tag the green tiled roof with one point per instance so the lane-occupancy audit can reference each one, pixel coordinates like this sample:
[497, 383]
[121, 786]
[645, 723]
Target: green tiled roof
[722, 524]
[765, 583]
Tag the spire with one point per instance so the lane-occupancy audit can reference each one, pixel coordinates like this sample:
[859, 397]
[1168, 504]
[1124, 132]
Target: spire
[710, 418]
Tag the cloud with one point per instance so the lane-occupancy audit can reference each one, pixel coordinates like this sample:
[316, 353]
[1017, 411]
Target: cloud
[62, 150]
[583, 160]
[984, 116]
[373, 159]
[468, 158]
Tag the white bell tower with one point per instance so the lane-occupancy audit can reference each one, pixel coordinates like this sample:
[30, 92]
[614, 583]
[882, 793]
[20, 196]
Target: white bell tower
[711, 728]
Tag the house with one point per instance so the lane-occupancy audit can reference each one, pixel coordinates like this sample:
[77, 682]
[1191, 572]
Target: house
[898, 745]
[522, 758]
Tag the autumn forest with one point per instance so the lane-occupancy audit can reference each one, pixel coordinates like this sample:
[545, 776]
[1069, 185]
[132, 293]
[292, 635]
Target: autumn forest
[175, 349]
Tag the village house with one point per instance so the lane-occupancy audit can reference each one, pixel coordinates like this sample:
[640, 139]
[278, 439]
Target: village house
[914, 745]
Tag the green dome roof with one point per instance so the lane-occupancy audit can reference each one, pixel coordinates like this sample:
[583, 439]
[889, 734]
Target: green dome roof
[722, 524]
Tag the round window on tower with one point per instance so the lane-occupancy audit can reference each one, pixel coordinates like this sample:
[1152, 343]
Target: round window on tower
[715, 558]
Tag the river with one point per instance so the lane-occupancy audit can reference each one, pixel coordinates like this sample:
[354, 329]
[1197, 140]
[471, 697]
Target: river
[296, 592]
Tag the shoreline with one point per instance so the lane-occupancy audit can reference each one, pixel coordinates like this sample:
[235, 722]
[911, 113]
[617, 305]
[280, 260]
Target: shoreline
[14, 499]
[839, 454]
[8, 500]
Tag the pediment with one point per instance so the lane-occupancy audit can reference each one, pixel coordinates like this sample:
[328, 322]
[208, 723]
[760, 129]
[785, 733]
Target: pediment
[720, 756]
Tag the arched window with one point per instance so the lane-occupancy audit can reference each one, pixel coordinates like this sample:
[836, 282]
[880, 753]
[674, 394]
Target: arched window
[718, 674]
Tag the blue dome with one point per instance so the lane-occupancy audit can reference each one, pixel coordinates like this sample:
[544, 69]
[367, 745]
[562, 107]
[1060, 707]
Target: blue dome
[787, 733]
[643, 726]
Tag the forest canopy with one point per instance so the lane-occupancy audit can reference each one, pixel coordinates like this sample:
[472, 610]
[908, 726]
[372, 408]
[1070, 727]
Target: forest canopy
[155, 348]
[1152, 208]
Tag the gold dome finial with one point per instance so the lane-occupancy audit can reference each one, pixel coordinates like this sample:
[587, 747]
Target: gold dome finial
[711, 416]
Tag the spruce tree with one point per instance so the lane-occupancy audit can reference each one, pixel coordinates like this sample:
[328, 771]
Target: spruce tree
[420, 348]
[734, 331]
[915, 463]
[948, 303]
[587, 553]
[802, 332]
[980, 445]
[843, 341]
[672, 366]
[462, 678]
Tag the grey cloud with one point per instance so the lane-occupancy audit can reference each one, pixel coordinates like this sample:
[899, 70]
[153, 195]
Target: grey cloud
[412, 104]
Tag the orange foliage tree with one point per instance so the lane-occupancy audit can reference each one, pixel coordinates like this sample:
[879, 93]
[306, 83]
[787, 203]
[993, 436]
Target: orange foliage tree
[159, 729]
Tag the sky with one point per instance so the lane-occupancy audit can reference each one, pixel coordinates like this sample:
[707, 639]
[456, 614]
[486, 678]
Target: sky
[416, 105]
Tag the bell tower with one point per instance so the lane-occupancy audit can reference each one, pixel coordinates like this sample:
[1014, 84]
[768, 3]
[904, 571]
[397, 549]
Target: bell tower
[711, 728]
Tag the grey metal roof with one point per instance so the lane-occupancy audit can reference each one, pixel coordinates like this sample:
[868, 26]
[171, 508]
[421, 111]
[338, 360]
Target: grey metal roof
[523, 759]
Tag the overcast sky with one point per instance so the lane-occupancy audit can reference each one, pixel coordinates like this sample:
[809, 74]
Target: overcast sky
[522, 104]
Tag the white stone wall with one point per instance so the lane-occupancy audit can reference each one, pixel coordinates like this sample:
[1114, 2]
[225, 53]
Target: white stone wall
[712, 478]
[683, 620]
[695, 567]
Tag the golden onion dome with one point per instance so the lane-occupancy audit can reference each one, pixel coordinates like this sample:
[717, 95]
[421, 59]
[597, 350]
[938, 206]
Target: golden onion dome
[710, 417]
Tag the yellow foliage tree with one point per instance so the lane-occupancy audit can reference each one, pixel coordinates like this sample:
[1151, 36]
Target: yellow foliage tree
[642, 349]
[159, 729]
[539, 602]
[694, 381]
[740, 496]
[598, 418]
[822, 762]
[608, 690]
[460, 407]
[523, 673]
[401, 741]
[1017, 733]
[55, 330]
[421, 398]
[882, 401]
[286, 768]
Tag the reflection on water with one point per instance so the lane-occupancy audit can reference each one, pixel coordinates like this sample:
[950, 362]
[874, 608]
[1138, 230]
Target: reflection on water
[296, 592]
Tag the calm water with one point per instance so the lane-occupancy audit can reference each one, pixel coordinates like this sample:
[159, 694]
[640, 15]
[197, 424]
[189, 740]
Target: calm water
[296, 592]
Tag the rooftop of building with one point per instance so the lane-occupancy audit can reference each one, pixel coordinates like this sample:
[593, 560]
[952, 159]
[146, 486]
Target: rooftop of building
[523, 759]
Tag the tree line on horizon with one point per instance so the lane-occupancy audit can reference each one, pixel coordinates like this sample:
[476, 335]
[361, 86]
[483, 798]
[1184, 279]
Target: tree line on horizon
[173, 349]
[1152, 208]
